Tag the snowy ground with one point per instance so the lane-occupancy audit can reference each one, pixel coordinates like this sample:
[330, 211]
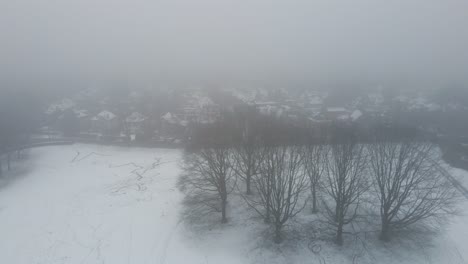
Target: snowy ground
[96, 204]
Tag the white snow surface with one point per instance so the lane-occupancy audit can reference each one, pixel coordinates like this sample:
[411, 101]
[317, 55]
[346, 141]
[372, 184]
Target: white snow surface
[94, 210]
[121, 205]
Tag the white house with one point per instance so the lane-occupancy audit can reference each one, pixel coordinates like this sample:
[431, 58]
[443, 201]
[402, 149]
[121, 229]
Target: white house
[135, 122]
[105, 122]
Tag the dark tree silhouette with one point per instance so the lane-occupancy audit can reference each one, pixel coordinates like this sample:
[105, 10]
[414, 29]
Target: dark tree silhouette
[344, 183]
[19, 116]
[280, 186]
[410, 185]
[247, 159]
[314, 164]
[209, 177]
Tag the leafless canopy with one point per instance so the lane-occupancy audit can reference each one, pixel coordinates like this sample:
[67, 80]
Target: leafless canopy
[209, 177]
[409, 183]
[247, 158]
[280, 185]
[344, 184]
[314, 164]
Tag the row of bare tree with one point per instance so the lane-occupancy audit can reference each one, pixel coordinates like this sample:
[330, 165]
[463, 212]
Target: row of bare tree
[19, 116]
[402, 181]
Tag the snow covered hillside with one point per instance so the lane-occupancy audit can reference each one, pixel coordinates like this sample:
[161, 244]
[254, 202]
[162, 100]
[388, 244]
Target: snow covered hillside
[99, 204]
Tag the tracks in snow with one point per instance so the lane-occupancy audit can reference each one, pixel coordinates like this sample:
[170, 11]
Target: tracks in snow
[462, 189]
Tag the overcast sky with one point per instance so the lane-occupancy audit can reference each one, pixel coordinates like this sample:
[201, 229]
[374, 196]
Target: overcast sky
[81, 42]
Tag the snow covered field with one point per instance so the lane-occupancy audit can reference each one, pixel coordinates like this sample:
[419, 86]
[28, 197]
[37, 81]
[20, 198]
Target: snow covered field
[99, 204]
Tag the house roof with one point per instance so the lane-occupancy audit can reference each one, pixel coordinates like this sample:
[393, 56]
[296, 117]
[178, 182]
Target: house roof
[136, 117]
[316, 101]
[62, 105]
[343, 117]
[356, 115]
[81, 113]
[105, 115]
[336, 109]
[169, 117]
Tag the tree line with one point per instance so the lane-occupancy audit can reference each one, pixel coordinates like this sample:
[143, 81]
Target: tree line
[397, 178]
[19, 116]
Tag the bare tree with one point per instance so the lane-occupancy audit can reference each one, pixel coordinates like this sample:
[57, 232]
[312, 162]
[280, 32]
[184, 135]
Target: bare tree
[247, 161]
[209, 177]
[344, 184]
[409, 184]
[280, 185]
[314, 164]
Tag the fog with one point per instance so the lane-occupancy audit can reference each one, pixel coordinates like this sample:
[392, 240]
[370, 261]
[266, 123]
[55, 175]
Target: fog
[234, 131]
[311, 43]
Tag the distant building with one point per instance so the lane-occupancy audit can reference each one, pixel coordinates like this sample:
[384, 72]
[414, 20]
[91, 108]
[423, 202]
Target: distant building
[105, 122]
[268, 108]
[336, 113]
[60, 107]
[199, 109]
[135, 123]
[355, 115]
[172, 126]
[84, 120]
[314, 105]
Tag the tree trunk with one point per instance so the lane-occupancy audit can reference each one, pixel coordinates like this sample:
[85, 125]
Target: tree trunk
[268, 205]
[8, 162]
[314, 199]
[385, 232]
[247, 183]
[278, 238]
[267, 215]
[339, 235]
[223, 211]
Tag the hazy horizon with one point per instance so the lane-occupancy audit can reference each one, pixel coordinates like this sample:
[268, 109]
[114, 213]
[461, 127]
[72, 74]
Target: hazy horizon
[76, 44]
